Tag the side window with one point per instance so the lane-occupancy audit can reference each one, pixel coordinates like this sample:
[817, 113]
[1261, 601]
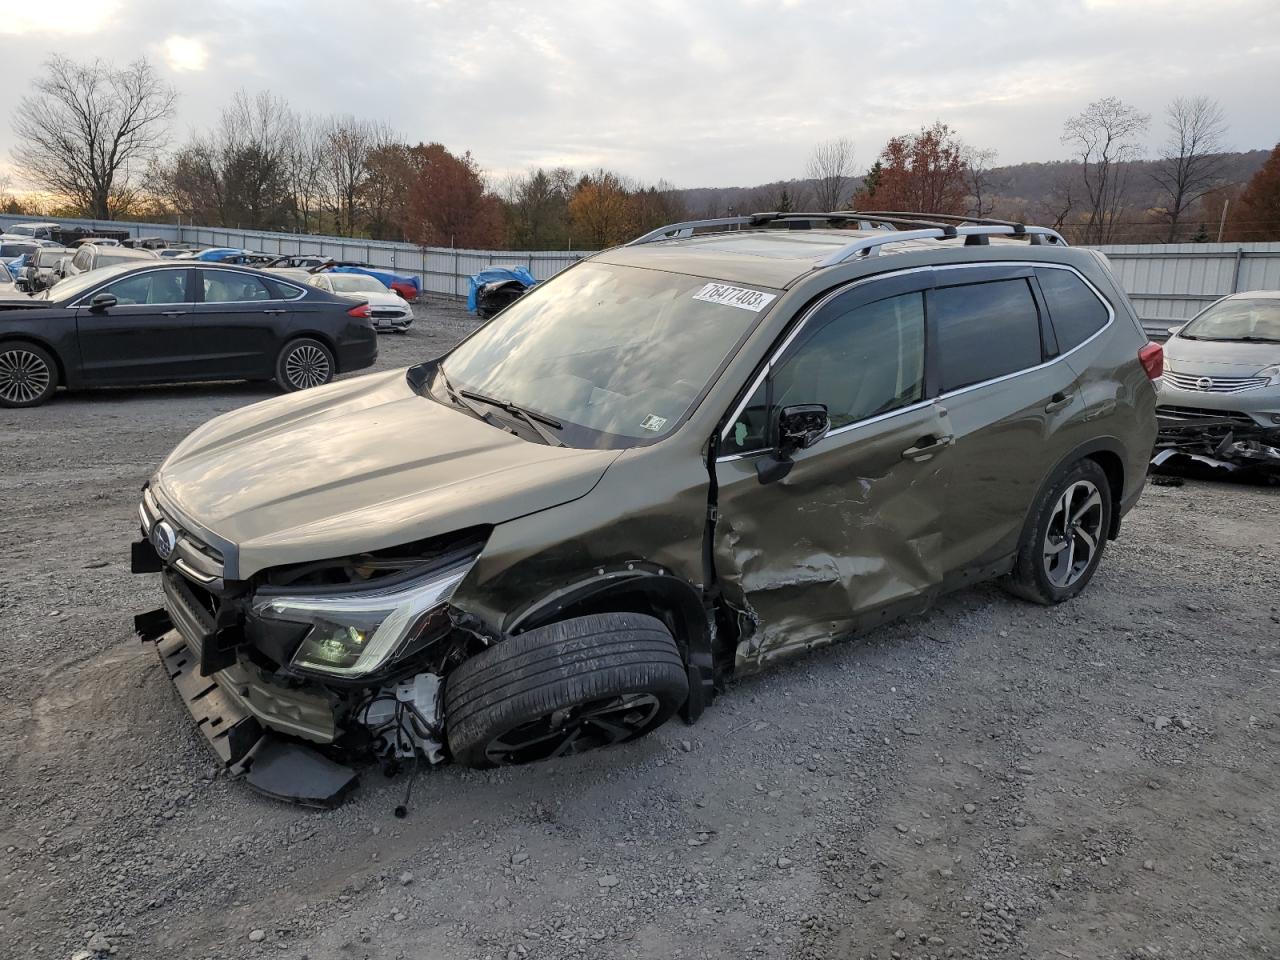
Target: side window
[284, 291]
[81, 260]
[862, 363]
[985, 330]
[226, 286]
[160, 287]
[1075, 310]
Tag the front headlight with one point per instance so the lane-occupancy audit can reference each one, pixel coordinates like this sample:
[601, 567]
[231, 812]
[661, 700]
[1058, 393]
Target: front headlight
[1272, 373]
[355, 633]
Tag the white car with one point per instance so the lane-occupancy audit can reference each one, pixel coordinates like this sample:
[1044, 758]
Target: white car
[388, 310]
[8, 289]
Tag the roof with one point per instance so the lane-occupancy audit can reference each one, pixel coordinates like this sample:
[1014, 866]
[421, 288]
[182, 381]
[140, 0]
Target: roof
[770, 257]
[1255, 295]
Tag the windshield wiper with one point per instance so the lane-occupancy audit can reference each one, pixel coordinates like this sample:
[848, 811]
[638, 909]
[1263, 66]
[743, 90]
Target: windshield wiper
[530, 417]
[463, 402]
[1258, 340]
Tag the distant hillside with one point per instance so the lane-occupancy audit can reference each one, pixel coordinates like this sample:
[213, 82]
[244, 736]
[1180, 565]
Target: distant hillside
[1018, 187]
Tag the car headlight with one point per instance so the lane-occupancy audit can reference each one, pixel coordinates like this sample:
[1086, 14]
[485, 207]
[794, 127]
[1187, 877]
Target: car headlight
[355, 633]
[1272, 373]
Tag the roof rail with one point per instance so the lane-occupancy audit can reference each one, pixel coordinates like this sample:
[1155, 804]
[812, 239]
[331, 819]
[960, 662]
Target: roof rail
[905, 226]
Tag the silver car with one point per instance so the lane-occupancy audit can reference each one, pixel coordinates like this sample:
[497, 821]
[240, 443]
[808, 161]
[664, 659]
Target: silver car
[1220, 392]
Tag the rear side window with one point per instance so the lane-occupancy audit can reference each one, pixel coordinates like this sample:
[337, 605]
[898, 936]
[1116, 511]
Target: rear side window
[224, 286]
[1075, 310]
[985, 330]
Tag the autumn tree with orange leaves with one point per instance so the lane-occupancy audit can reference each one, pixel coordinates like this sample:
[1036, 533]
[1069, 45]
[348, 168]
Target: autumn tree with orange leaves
[925, 172]
[447, 203]
[1257, 213]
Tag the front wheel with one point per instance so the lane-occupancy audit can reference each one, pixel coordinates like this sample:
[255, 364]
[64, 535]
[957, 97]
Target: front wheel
[1063, 545]
[304, 363]
[564, 689]
[28, 374]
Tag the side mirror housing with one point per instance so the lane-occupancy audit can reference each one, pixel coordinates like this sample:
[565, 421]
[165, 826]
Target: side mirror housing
[102, 301]
[1173, 331]
[797, 428]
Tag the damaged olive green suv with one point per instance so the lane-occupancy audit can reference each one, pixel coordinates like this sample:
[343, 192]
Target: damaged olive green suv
[726, 441]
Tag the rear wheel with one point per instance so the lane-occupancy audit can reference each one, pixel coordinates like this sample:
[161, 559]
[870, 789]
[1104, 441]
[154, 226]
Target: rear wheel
[1063, 545]
[28, 374]
[564, 689]
[304, 363]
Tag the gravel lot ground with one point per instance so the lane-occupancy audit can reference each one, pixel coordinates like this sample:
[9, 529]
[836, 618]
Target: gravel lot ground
[993, 779]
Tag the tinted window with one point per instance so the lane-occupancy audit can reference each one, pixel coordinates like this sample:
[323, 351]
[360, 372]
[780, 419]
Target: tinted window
[162, 286]
[228, 287]
[862, 363]
[283, 291]
[985, 330]
[1075, 310]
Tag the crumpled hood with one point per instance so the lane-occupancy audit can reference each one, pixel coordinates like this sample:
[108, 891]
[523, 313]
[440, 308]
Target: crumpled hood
[359, 465]
[1210, 356]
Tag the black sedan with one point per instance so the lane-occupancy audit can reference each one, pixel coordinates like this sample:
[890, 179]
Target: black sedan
[170, 322]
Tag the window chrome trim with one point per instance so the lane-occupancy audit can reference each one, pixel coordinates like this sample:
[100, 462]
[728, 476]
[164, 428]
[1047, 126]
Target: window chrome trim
[1033, 264]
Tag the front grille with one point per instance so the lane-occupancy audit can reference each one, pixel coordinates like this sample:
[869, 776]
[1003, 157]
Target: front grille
[191, 556]
[1185, 381]
[1192, 414]
[387, 313]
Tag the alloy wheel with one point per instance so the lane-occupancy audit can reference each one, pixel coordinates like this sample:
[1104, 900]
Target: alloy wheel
[24, 376]
[576, 729]
[1074, 534]
[306, 366]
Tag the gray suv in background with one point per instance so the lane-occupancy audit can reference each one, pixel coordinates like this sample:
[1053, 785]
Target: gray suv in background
[728, 441]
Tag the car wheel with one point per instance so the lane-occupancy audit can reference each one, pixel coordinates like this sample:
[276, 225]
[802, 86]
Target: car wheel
[564, 689]
[1064, 543]
[28, 374]
[304, 363]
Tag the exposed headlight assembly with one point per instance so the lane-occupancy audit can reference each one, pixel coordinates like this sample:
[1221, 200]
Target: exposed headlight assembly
[355, 633]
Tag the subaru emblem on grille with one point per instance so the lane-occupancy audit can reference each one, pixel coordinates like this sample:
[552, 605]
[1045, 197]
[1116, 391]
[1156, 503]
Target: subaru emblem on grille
[164, 538]
[1204, 383]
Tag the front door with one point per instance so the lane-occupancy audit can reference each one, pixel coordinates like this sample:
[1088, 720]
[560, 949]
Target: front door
[852, 534]
[146, 336]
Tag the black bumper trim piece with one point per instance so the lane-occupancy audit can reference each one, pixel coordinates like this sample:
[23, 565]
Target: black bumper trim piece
[143, 558]
[231, 731]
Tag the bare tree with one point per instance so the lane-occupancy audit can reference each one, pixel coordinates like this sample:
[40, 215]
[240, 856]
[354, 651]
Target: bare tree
[1191, 160]
[86, 125]
[831, 170]
[978, 163]
[1104, 139]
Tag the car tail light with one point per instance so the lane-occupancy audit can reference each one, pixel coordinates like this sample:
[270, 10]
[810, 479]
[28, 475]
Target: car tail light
[360, 311]
[1151, 357]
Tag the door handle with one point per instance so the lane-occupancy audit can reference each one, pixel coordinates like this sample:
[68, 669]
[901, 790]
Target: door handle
[173, 313]
[1058, 401]
[926, 447]
[275, 311]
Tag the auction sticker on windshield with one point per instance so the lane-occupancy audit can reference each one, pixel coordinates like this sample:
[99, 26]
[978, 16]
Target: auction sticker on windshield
[740, 297]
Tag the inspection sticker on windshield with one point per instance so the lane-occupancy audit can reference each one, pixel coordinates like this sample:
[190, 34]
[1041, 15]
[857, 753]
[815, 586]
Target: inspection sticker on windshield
[653, 422]
[740, 297]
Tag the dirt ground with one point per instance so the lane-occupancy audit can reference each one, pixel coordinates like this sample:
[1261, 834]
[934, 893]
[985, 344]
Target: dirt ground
[992, 779]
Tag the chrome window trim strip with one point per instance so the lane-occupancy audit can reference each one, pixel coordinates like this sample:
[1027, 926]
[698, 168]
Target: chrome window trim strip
[1111, 317]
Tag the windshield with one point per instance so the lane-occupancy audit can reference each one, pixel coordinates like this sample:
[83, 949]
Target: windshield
[74, 286]
[8, 250]
[356, 283]
[1237, 320]
[616, 354]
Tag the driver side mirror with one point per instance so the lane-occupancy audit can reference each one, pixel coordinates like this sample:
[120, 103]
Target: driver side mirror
[1173, 331]
[797, 428]
[102, 301]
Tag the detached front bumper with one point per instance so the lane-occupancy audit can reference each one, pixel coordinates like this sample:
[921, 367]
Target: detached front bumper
[1224, 441]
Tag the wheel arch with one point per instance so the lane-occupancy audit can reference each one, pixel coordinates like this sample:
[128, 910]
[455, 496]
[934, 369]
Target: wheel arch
[638, 587]
[1107, 453]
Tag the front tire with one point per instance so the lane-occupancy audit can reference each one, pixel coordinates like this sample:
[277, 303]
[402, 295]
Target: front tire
[564, 689]
[304, 363]
[28, 374]
[1063, 545]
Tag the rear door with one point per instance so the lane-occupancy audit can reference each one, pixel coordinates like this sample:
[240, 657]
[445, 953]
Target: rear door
[147, 336]
[853, 533]
[242, 317]
[1006, 396]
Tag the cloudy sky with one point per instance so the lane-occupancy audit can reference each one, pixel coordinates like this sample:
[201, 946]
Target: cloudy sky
[699, 92]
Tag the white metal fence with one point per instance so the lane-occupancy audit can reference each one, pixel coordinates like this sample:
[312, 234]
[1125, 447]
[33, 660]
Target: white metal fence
[1168, 283]
[441, 270]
